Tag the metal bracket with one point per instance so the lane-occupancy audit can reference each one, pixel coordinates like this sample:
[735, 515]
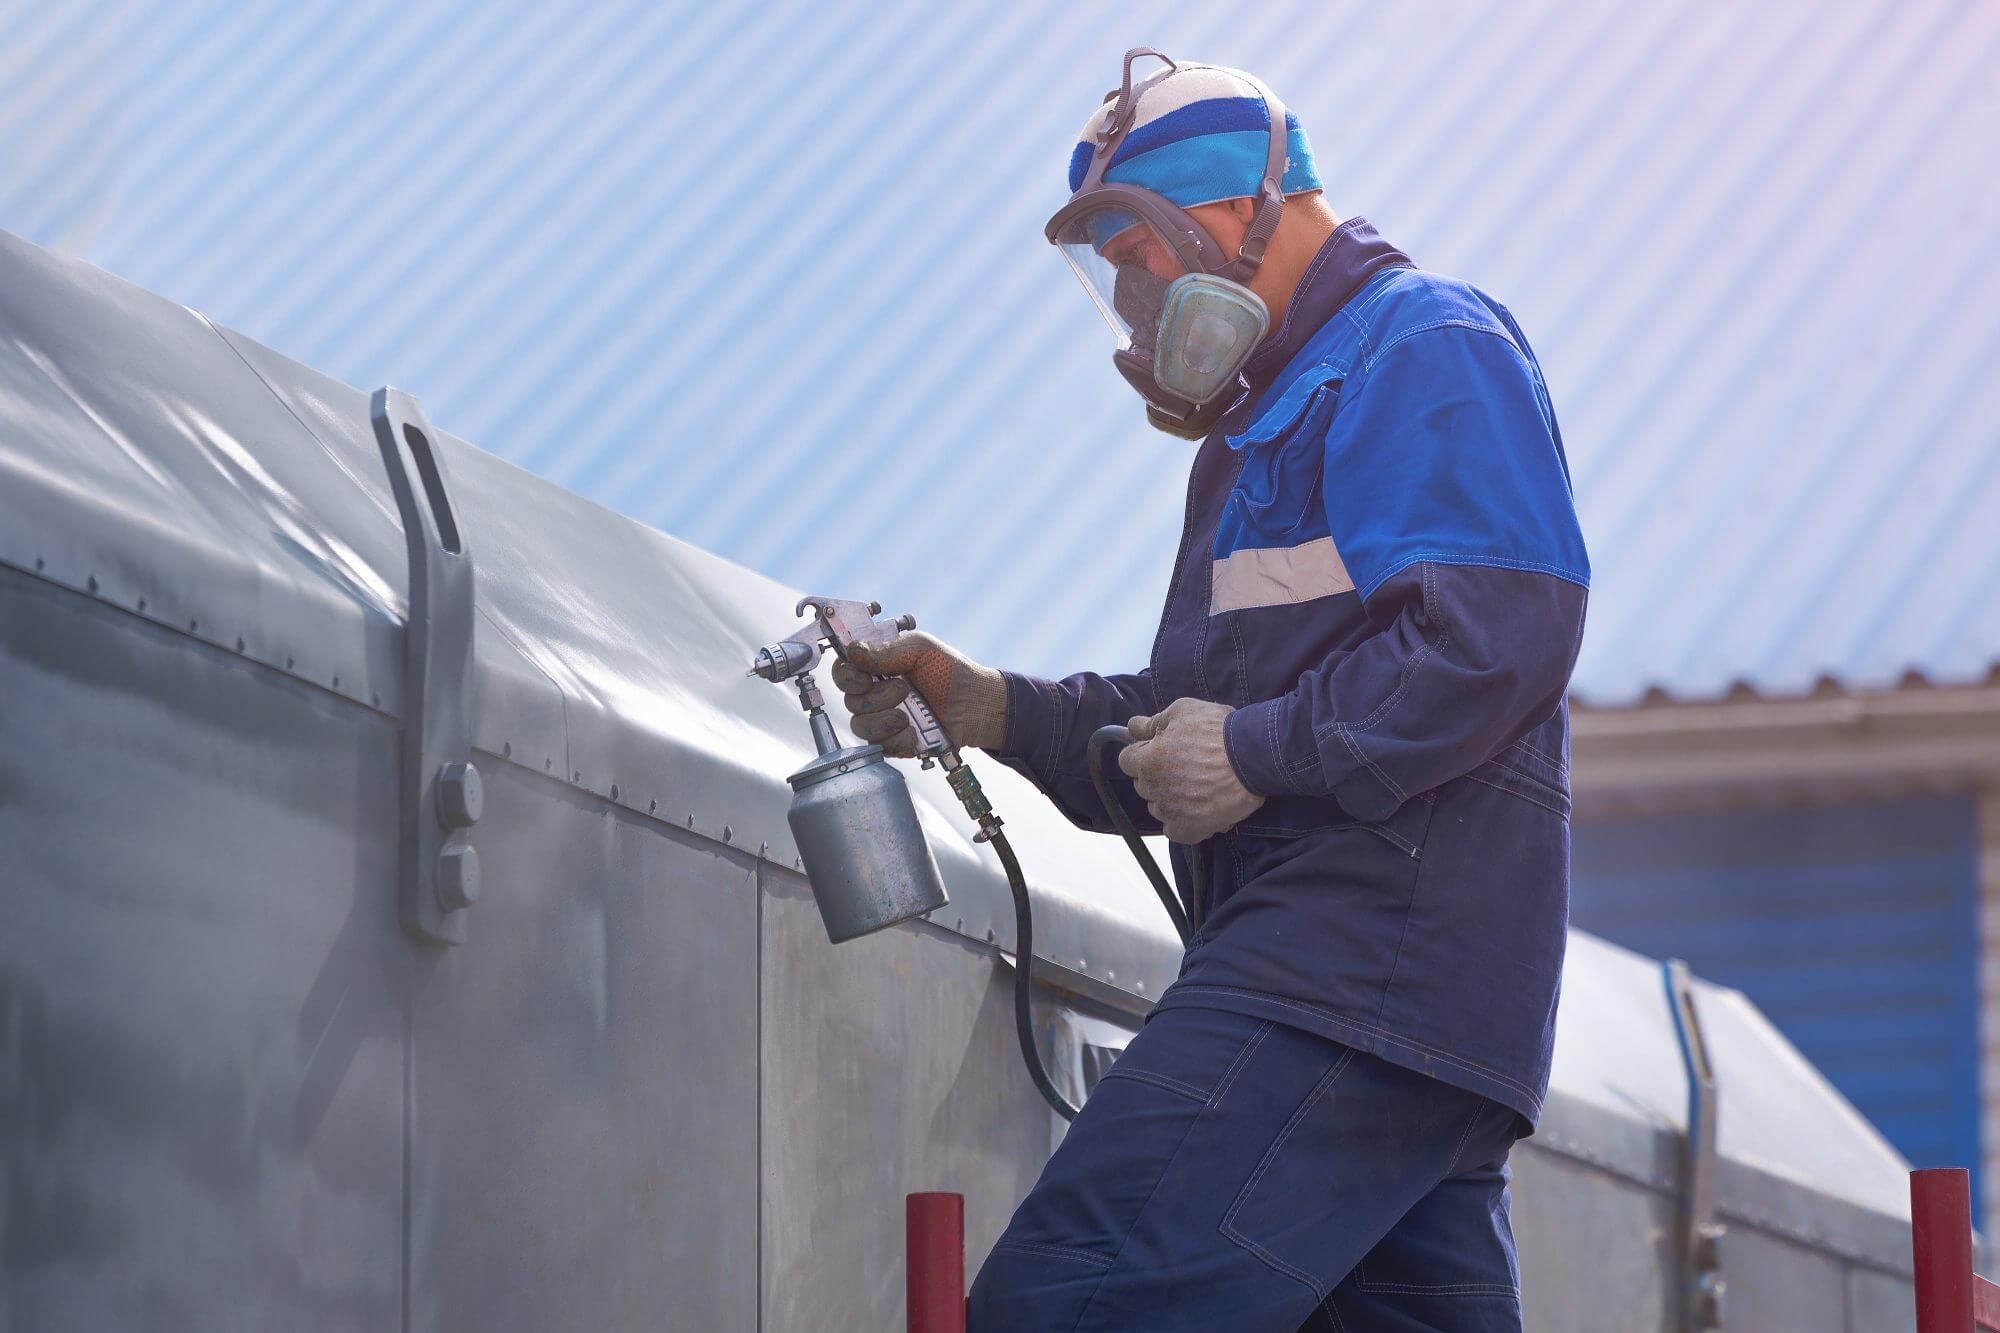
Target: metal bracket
[441, 792]
[1700, 1235]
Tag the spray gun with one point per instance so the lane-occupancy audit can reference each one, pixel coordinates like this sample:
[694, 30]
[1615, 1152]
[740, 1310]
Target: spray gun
[839, 625]
[863, 850]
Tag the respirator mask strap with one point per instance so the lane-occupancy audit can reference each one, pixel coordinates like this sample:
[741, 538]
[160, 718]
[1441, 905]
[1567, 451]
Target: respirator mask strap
[1270, 194]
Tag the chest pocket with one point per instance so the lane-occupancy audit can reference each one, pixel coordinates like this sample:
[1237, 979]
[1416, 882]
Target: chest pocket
[1277, 499]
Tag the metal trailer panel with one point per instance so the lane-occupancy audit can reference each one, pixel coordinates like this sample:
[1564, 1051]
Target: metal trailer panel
[230, 504]
[584, 1123]
[1877, 1303]
[202, 983]
[890, 1067]
[1596, 1251]
[1777, 1285]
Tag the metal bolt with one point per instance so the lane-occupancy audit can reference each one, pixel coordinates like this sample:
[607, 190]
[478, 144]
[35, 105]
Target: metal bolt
[461, 795]
[457, 884]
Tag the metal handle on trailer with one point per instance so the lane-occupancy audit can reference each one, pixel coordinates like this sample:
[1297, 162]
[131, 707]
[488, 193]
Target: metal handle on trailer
[441, 793]
[1700, 1237]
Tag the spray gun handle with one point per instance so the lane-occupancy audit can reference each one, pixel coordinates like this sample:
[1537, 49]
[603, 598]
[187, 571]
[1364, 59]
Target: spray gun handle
[931, 740]
[845, 623]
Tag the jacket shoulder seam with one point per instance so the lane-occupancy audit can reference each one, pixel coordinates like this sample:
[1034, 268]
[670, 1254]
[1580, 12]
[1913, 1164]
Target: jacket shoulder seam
[1471, 325]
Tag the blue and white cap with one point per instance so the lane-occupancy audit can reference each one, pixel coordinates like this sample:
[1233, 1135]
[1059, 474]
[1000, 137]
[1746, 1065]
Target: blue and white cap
[1200, 133]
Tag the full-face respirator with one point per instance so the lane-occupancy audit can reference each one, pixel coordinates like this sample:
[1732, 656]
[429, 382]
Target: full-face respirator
[1186, 320]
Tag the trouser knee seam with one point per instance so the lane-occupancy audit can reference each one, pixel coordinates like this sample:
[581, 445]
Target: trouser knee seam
[1056, 1251]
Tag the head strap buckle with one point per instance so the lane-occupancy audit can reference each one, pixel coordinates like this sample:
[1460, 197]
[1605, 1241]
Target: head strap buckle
[1127, 108]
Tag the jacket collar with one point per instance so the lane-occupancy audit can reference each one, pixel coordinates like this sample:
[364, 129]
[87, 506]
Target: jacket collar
[1354, 253]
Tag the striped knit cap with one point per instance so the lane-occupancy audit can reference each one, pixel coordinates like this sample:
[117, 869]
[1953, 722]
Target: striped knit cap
[1202, 133]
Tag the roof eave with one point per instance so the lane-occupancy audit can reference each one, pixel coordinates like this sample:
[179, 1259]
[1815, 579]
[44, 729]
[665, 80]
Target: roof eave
[1840, 746]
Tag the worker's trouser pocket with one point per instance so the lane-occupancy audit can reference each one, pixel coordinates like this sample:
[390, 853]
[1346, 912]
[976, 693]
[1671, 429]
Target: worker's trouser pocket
[1380, 1165]
[1198, 1060]
[1107, 1173]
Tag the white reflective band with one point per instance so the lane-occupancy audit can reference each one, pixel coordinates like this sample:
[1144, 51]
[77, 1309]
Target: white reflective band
[1277, 576]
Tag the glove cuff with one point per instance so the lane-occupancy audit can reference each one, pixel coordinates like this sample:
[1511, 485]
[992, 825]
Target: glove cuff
[978, 707]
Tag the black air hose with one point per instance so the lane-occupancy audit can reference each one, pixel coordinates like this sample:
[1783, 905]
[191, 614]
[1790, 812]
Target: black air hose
[1024, 922]
[1182, 915]
[1024, 960]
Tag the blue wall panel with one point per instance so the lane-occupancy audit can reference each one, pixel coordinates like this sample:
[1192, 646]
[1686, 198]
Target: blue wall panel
[1853, 927]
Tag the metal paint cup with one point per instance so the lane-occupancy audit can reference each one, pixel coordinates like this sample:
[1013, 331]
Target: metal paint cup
[863, 849]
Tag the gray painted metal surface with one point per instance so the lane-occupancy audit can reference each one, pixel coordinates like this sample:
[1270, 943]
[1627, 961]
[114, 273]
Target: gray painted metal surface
[646, 1090]
[201, 985]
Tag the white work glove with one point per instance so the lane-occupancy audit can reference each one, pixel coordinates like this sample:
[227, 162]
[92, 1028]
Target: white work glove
[968, 700]
[1181, 767]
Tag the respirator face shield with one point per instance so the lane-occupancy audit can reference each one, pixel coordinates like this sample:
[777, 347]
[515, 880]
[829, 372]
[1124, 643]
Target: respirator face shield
[1182, 332]
[1119, 259]
[1183, 318]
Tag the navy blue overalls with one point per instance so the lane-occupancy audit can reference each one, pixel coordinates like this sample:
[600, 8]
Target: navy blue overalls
[1381, 570]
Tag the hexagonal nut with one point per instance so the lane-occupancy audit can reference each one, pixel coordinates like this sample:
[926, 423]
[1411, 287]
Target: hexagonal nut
[461, 796]
[457, 882]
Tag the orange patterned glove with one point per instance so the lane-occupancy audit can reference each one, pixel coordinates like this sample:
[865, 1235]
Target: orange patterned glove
[969, 700]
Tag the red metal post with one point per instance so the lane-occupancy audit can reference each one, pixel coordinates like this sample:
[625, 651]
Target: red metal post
[1941, 1243]
[934, 1250]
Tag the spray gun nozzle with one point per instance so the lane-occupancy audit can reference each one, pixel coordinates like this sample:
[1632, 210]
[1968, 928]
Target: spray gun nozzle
[781, 661]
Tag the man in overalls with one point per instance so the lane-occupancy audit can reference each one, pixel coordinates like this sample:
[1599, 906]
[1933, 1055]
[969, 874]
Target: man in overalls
[1354, 713]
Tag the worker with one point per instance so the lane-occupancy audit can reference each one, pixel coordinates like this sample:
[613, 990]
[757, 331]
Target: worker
[1354, 713]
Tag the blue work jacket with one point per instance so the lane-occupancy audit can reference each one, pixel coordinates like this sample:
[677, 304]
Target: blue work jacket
[1381, 571]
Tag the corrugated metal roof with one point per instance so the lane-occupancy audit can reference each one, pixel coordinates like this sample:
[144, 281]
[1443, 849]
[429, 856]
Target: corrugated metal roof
[772, 278]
